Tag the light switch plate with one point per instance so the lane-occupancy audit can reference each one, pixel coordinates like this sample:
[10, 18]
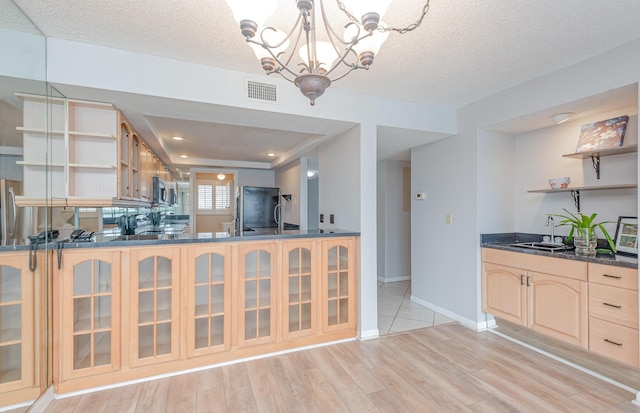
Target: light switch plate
[420, 196]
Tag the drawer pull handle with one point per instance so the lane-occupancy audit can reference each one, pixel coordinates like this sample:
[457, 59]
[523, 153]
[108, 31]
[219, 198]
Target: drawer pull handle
[613, 342]
[522, 279]
[617, 277]
[612, 305]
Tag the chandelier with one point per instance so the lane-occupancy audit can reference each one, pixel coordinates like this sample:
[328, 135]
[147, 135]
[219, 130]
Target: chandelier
[323, 56]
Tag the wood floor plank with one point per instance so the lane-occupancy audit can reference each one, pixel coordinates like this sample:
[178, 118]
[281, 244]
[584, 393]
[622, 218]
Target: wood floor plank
[440, 369]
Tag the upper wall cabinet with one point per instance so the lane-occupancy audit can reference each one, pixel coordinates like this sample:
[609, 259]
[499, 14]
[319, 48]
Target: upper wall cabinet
[95, 158]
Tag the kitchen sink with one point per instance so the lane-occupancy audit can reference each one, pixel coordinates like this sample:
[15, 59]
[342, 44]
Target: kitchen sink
[543, 246]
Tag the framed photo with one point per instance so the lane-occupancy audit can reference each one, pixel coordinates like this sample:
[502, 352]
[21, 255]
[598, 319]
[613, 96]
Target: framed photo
[627, 236]
[604, 134]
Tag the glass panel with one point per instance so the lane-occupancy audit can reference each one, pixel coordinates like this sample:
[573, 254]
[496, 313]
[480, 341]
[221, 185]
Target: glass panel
[82, 351]
[82, 278]
[102, 312]
[163, 339]
[102, 344]
[332, 312]
[250, 294]
[250, 262]
[163, 305]
[264, 322]
[10, 363]
[202, 332]
[294, 290]
[265, 264]
[333, 285]
[10, 323]
[294, 318]
[146, 306]
[146, 269]
[82, 314]
[102, 277]
[250, 324]
[217, 330]
[344, 310]
[202, 300]
[202, 269]
[305, 288]
[306, 261]
[217, 299]
[164, 272]
[344, 259]
[145, 341]
[344, 284]
[332, 259]
[305, 316]
[10, 287]
[217, 268]
[265, 293]
[294, 261]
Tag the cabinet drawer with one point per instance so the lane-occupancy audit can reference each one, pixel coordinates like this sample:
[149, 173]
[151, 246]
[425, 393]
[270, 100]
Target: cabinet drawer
[616, 305]
[548, 265]
[614, 276]
[613, 341]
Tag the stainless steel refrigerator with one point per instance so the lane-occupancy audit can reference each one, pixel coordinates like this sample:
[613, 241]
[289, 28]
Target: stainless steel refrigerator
[15, 222]
[257, 207]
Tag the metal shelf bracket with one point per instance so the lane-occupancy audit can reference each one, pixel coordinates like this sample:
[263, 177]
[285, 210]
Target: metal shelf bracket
[576, 199]
[595, 161]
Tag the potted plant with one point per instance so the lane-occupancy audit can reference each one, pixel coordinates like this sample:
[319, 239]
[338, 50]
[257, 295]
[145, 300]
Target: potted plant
[583, 232]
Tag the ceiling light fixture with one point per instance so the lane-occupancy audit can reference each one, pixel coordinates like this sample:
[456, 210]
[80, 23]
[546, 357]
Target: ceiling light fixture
[184, 156]
[271, 154]
[321, 61]
[178, 138]
[221, 176]
[559, 118]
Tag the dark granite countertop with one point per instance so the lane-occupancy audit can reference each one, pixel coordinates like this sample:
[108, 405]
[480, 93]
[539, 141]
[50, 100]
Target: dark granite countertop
[502, 241]
[171, 235]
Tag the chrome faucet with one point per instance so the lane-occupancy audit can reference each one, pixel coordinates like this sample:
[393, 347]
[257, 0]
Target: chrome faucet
[550, 218]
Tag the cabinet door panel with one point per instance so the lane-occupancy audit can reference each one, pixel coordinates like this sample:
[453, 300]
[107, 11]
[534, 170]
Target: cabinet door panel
[558, 307]
[504, 292]
[339, 283]
[299, 285]
[209, 299]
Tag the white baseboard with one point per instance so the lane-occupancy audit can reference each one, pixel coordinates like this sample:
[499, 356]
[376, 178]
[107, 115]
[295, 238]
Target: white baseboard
[369, 334]
[394, 279]
[477, 326]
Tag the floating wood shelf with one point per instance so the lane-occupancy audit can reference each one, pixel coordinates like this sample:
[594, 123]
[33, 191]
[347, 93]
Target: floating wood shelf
[584, 188]
[603, 152]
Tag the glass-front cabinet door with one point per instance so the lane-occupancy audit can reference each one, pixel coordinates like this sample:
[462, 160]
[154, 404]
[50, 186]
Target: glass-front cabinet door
[257, 263]
[154, 304]
[299, 279]
[339, 284]
[89, 288]
[208, 299]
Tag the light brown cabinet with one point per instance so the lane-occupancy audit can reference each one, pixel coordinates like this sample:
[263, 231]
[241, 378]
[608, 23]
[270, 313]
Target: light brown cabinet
[154, 304]
[22, 353]
[87, 315]
[299, 288]
[339, 287]
[546, 294]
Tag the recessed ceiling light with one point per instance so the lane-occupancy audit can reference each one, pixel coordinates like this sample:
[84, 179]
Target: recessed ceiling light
[271, 154]
[559, 118]
[184, 156]
[178, 138]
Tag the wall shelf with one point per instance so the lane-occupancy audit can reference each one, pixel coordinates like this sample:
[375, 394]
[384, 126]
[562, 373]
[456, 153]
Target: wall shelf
[597, 154]
[575, 191]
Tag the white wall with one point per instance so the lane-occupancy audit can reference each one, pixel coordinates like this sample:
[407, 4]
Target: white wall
[23, 55]
[446, 259]
[394, 224]
[288, 179]
[255, 177]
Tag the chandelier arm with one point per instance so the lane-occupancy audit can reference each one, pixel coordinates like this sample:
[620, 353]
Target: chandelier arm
[402, 30]
[354, 67]
[295, 26]
[275, 57]
[342, 60]
[330, 32]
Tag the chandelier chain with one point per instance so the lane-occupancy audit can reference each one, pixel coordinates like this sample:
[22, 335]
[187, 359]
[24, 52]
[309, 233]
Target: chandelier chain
[401, 30]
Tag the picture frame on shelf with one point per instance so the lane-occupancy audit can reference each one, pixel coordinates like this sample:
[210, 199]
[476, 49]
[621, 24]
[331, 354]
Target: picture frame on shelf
[604, 134]
[627, 236]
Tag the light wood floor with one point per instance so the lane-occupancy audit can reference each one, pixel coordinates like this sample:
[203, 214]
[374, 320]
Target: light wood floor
[440, 369]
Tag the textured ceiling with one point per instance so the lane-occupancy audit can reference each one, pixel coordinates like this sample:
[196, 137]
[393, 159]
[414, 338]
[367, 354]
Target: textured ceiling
[464, 50]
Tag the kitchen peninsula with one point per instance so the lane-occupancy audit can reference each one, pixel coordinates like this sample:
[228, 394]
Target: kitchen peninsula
[126, 309]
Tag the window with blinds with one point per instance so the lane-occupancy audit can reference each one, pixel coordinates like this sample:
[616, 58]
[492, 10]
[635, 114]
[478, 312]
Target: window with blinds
[205, 196]
[214, 196]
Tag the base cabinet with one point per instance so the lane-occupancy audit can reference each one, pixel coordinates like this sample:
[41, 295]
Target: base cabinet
[22, 353]
[135, 312]
[504, 292]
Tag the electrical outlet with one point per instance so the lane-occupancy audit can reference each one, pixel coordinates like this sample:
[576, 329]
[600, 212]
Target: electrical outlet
[331, 219]
[321, 217]
[447, 219]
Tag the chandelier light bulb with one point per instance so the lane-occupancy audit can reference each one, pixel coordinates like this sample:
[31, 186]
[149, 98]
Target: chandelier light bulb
[325, 54]
[368, 47]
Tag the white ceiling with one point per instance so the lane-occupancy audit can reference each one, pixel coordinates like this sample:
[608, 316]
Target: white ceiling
[465, 50]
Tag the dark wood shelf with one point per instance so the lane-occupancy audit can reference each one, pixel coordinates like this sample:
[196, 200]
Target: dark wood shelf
[603, 152]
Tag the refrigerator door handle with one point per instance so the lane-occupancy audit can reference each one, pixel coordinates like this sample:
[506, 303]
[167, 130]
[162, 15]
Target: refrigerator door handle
[12, 195]
[275, 213]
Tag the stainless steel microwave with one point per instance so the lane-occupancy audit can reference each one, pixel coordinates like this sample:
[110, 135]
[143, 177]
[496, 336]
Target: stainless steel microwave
[160, 196]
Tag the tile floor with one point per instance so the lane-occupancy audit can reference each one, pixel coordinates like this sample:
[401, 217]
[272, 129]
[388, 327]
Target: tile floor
[397, 313]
